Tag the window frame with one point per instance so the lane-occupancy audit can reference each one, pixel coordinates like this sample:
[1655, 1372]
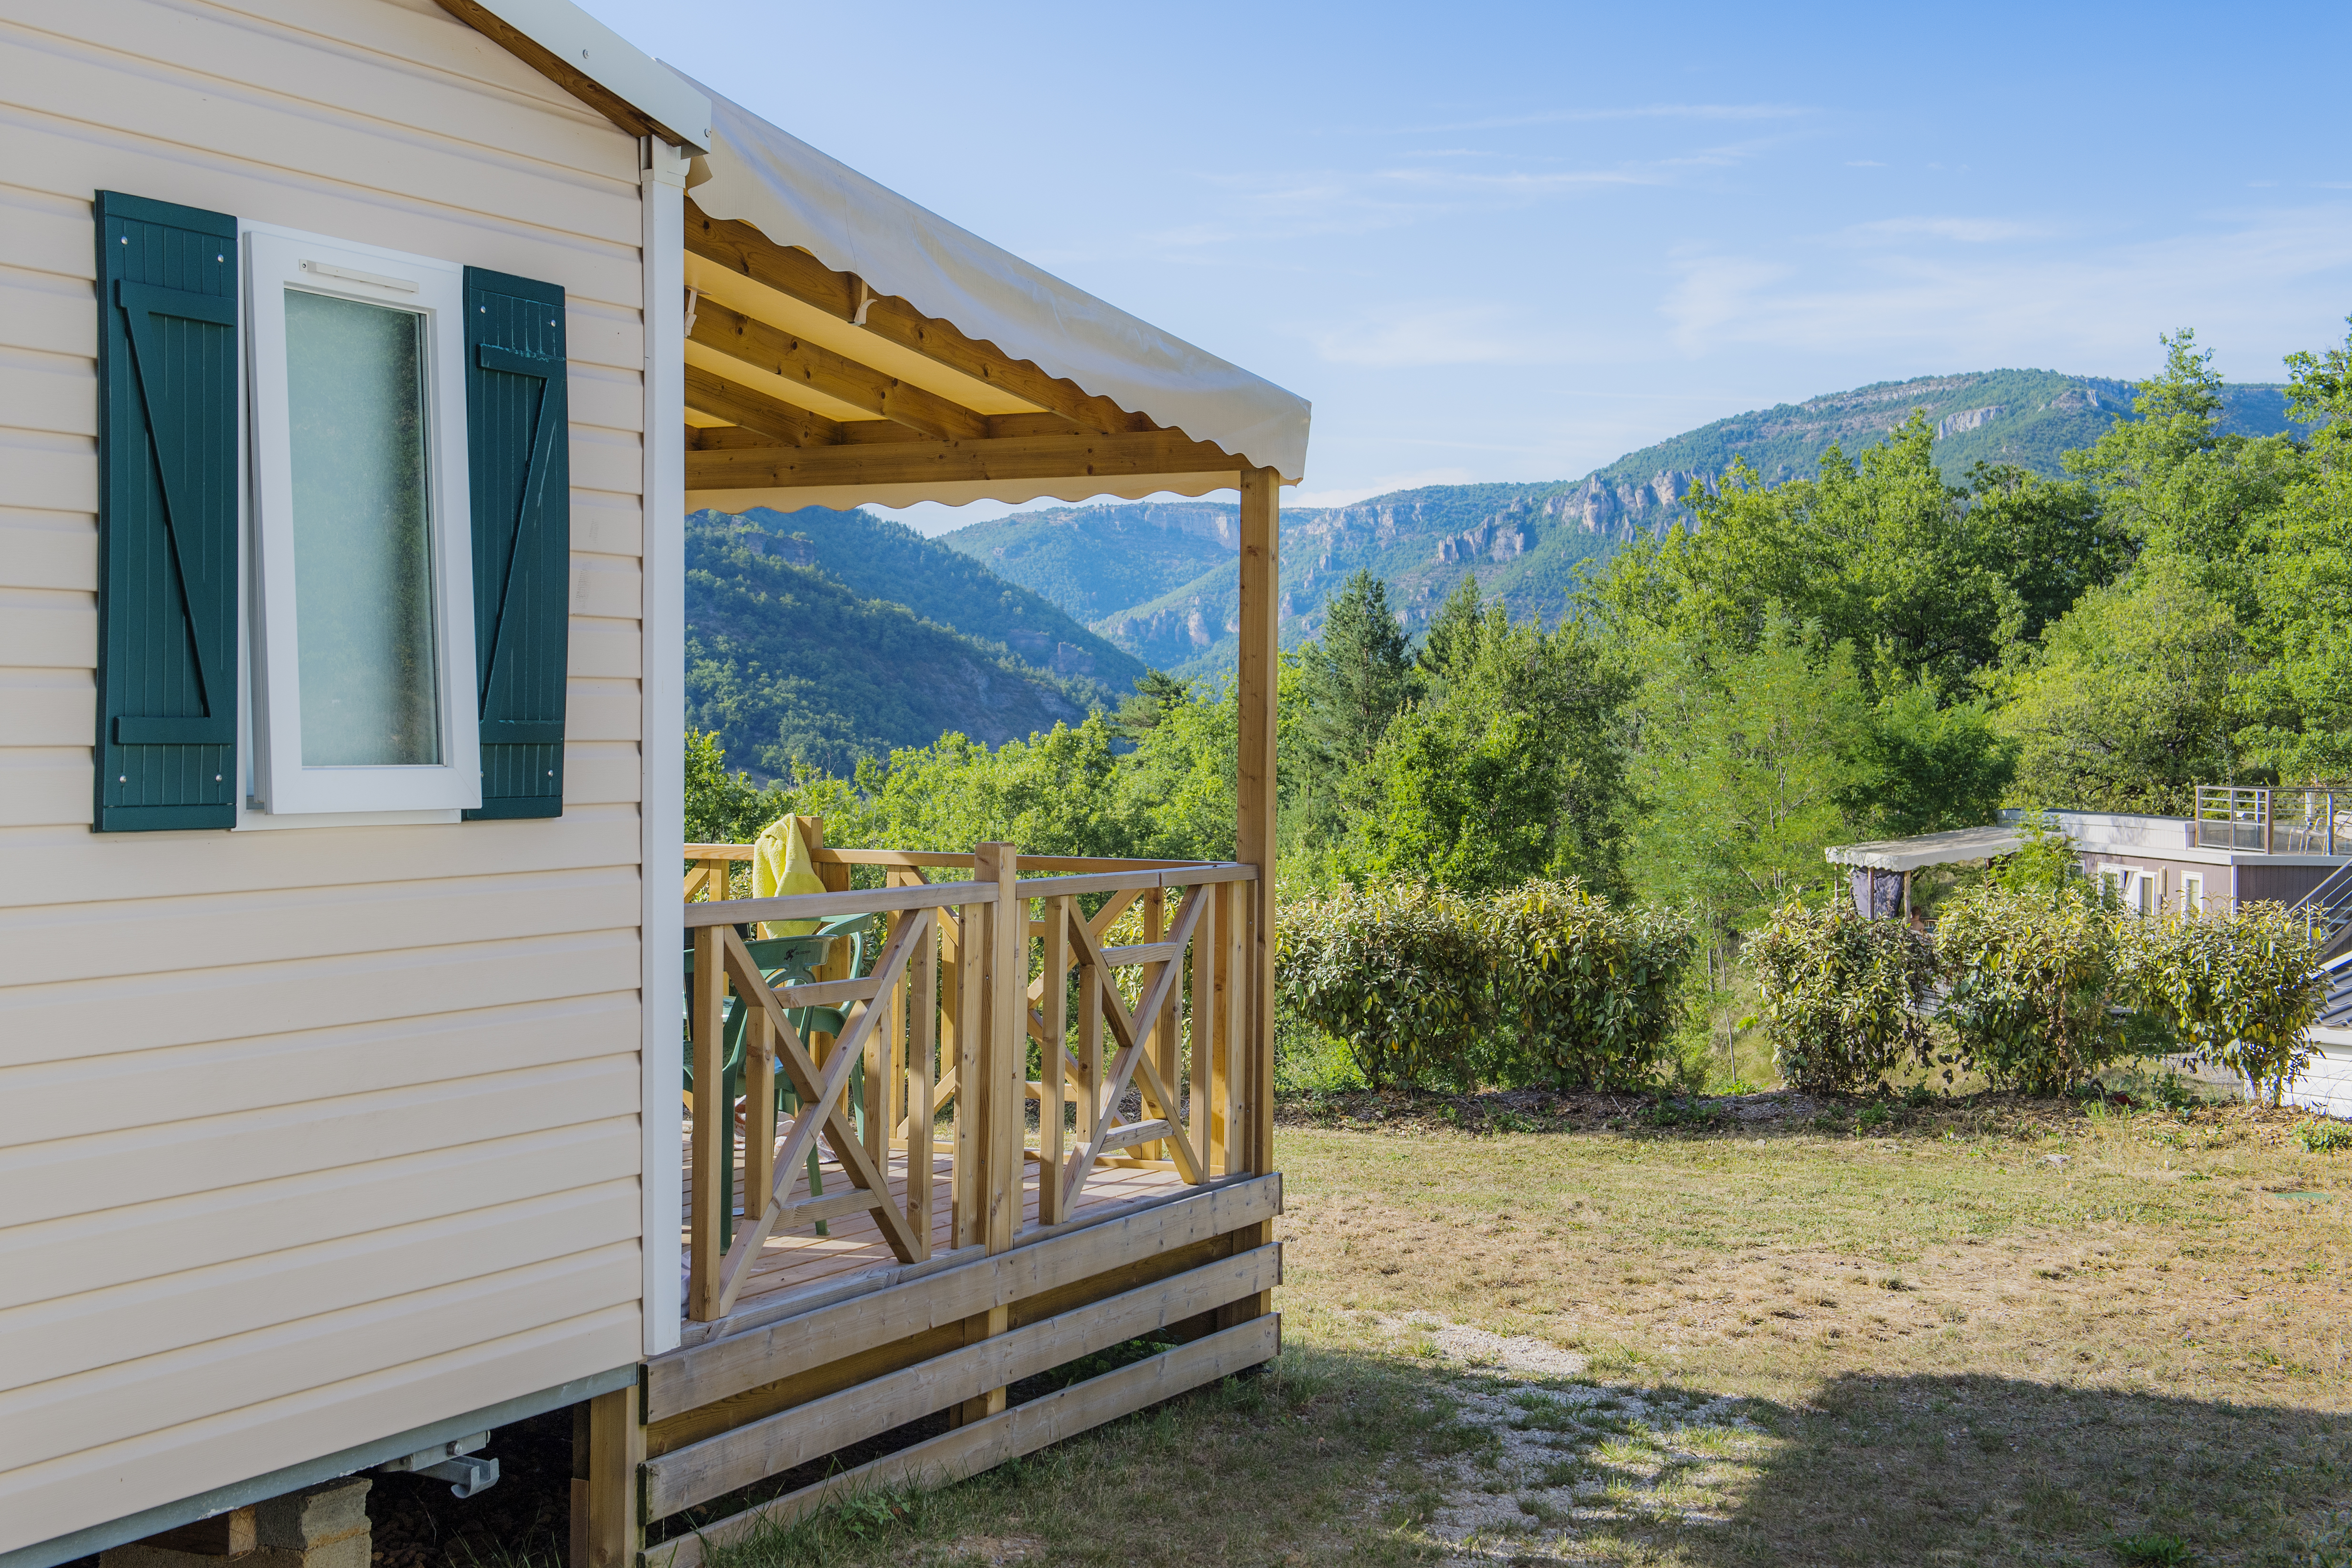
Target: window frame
[274, 261]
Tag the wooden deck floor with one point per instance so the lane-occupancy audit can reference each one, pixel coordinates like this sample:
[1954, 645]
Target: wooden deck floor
[802, 1259]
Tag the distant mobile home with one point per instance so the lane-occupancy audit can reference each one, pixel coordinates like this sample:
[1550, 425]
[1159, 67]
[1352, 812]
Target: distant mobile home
[2242, 844]
[366, 1082]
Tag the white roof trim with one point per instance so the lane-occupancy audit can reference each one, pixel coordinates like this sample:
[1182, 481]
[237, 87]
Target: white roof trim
[1930, 848]
[960, 492]
[797, 195]
[587, 46]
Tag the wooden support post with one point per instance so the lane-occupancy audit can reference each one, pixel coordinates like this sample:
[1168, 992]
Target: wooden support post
[996, 1091]
[616, 1447]
[966, 1221]
[708, 1205]
[836, 966]
[1004, 1034]
[1090, 1051]
[1254, 809]
[1201, 1013]
[759, 1113]
[1155, 929]
[922, 1045]
[1053, 1054]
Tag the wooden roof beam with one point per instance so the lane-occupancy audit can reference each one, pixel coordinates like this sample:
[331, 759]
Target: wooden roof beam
[780, 353]
[918, 462]
[851, 432]
[708, 391]
[743, 250]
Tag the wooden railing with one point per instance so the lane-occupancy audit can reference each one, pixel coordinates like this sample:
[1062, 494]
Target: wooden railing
[1149, 1056]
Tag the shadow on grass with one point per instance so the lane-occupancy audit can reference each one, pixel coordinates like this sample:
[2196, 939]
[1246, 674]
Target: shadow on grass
[1980, 1469]
[1295, 1464]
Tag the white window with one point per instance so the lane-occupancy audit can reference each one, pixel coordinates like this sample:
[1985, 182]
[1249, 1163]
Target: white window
[2192, 891]
[2150, 893]
[362, 606]
[2111, 882]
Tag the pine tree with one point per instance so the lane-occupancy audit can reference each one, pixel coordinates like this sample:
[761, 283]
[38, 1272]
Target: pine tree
[1358, 677]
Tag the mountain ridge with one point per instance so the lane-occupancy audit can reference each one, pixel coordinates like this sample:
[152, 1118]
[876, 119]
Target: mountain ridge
[1522, 541]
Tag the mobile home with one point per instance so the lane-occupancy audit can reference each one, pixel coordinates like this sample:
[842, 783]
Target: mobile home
[367, 1083]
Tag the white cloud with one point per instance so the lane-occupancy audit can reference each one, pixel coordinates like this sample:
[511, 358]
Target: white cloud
[1381, 486]
[1594, 116]
[1967, 230]
[2251, 283]
[1434, 335]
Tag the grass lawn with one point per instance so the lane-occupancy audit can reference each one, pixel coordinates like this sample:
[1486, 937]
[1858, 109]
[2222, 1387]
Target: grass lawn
[1986, 1332]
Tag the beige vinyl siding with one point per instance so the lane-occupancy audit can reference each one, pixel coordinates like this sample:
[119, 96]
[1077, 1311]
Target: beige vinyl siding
[307, 1136]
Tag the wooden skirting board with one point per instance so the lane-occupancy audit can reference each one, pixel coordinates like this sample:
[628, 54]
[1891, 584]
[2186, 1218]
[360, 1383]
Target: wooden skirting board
[698, 1376]
[1023, 1429]
[720, 1464]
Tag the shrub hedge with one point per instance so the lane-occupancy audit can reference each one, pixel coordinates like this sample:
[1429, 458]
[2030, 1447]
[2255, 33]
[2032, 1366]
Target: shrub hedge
[2045, 985]
[1431, 989]
[1844, 999]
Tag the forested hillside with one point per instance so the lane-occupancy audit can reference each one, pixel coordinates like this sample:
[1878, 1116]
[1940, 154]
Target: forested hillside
[1094, 561]
[788, 663]
[875, 558]
[1866, 651]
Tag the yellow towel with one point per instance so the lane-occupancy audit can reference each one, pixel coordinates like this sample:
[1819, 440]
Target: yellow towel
[780, 864]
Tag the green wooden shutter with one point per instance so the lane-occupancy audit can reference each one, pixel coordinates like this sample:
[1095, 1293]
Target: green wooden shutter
[517, 424]
[167, 516]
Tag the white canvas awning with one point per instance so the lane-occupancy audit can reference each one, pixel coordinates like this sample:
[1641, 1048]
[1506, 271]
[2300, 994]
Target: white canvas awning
[794, 195]
[1930, 848]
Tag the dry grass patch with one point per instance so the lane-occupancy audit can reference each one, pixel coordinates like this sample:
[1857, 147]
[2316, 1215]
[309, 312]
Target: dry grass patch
[1991, 1331]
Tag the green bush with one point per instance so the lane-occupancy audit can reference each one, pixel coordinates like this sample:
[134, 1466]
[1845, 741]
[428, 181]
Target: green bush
[2235, 988]
[1843, 998]
[1593, 991]
[2036, 984]
[1402, 973]
[2324, 1137]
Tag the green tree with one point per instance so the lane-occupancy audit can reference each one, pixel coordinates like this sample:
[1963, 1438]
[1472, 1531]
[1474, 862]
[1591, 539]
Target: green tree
[2174, 482]
[1358, 676]
[1155, 694]
[1177, 789]
[1513, 769]
[723, 807]
[1878, 552]
[1921, 768]
[1453, 630]
[2300, 720]
[2126, 703]
[2053, 539]
[1744, 763]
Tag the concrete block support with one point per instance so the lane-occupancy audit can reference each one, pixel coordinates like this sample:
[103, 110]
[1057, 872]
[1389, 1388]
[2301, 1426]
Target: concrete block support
[324, 1526]
[321, 1526]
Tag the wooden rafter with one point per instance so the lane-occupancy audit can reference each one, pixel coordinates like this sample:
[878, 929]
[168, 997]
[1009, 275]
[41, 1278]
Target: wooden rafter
[744, 250]
[780, 353]
[708, 391]
[923, 462]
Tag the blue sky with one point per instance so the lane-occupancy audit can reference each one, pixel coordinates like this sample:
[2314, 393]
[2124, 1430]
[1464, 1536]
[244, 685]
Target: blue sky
[1514, 242]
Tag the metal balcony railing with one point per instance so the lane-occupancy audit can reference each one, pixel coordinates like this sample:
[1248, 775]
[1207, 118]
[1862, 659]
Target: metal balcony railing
[2268, 820]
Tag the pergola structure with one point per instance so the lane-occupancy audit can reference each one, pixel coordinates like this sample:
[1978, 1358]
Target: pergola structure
[845, 345]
